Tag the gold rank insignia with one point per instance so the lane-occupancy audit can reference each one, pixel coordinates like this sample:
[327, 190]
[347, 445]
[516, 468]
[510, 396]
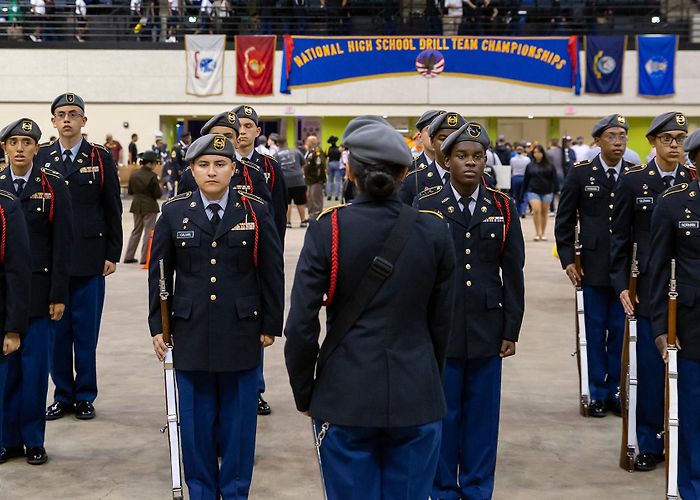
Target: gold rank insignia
[430, 174]
[248, 110]
[621, 119]
[651, 172]
[231, 118]
[451, 209]
[193, 204]
[483, 209]
[692, 194]
[474, 130]
[70, 98]
[452, 119]
[219, 142]
[27, 125]
[680, 119]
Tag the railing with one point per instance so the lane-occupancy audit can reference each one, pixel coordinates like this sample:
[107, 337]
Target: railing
[119, 24]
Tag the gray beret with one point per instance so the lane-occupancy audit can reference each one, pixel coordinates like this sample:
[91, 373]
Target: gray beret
[67, 99]
[24, 127]
[668, 122]
[211, 144]
[149, 156]
[446, 120]
[427, 117]
[376, 143]
[225, 119]
[607, 122]
[361, 121]
[246, 112]
[692, 143]
[470, 131]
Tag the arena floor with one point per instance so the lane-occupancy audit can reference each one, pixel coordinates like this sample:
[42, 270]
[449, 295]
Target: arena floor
[547, 451]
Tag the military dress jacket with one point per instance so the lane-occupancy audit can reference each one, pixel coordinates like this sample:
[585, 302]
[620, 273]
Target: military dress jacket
[587, 199]
[222, 300]
[675, 234]
[145, 189]
[274, 178]
[489, 280]
[15, 268]
[48, 211]
[93, 184]
[386, 372]
[423, 175]
[635, 199]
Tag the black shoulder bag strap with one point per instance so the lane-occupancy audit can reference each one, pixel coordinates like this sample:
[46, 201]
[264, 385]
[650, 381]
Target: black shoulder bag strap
[373, 279]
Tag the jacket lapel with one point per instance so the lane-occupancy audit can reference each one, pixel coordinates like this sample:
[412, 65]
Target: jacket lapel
[33, 184]
[6, 183]
[196, 213]
[484, 207]
[692, 199]
[233, 214]
[450, 207]
[82, 159]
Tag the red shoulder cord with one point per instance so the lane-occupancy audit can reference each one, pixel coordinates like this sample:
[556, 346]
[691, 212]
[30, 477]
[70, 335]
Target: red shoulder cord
[268, 166]
[46, 186]
[334, 260]
[693, 174]
[245, 202]
[102, 168]
[506, 216]
[3, 235]
[247, 179]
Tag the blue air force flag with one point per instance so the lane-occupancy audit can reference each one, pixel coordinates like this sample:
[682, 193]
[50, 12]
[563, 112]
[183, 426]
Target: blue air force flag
[205, 64]
[605, 56]
[657, 62]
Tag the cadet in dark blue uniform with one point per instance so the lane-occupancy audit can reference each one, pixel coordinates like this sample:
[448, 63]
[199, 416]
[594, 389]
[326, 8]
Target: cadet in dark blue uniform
[47, 209]
[15, 286]
[635, 199]
[675, 234]
[222, 247]
[93, 184]
[376, 399]
[427, 156]
[489, 305]
[587, 200]
[245, 152]
[177, 164]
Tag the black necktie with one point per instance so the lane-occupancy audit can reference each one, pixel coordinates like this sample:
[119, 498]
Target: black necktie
[465, 200]
[611, 175]
[19, 186]
[215, 219]
[446, 179]
[668, 180]
[67, 161]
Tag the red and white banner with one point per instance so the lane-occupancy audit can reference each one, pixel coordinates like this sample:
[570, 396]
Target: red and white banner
[205, 64]
[255, 60]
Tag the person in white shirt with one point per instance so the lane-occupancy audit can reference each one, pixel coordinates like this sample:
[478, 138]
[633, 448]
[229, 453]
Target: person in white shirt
[581, 149]
[518, 165]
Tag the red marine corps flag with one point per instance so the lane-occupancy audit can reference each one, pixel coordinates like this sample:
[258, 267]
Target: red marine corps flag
[255, 59]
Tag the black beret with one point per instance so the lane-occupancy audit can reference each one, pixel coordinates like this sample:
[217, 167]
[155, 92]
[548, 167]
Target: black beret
[427, 117]
[67, 99]
[446, 120]
[210, 144]
[470, 131]
[225, 119]
[244, 111]
[692, 143]
[375, 143]
[24, 127]
[668, 122]
[607, 122]
[149, 156]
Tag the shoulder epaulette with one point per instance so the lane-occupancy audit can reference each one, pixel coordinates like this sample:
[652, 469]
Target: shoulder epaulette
[99, 146]
[270, 156]
[178, 197]
[47, 144]
[636, 168]
[250, 164]
[679, 188]
[50, 172]
[429, 191]
[329, 210]
[690, 167]
[582, 163]
[253, 197]
[420, 167]
[434, 212]
[7, 194]
[494, 190]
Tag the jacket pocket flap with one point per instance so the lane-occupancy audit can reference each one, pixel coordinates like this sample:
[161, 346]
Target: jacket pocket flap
[182, 307]
[247, 307]
[491, 231]
[494, 297]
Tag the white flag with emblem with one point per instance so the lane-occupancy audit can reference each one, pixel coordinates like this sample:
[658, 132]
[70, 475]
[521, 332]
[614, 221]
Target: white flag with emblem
[205, 64]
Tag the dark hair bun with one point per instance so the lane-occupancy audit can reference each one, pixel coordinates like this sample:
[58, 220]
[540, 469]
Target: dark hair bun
[379, 184]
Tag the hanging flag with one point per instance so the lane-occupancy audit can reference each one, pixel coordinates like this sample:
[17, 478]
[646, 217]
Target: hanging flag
[255, 60]
[205, 64]
[605, 56]
[657, 64]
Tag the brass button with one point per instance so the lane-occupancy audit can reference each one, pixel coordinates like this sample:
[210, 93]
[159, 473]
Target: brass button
[644, 207]
[213, 279]
[493, 235]
[612, 195]
[213, 262]
[38, 209]
[610, 206]
[468, 235]
[183, 244]
[468, 251]
[469, 283]
[46, 269]
[255, 313]
[89, 182]
[245, 243]
[687, 233]
[212, 297]
[213, 244]
[468, 267]
[590, 195]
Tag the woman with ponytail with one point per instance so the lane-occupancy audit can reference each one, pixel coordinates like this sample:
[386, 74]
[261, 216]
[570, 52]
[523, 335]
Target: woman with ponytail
[384, 272]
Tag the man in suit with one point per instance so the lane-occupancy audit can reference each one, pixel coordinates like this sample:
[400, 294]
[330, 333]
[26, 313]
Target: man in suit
[636, 196]
[46, 205]
[92, 180]
[488, 312]
[145, 189]
[587, 200]
[223, 242]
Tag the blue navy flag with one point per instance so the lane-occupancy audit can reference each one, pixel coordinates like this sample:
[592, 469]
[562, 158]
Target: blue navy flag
[657, 64]
[605, 56]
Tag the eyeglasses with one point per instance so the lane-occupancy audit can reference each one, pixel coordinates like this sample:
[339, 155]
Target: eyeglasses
[614, 138]
[667, 139]
[61, 115]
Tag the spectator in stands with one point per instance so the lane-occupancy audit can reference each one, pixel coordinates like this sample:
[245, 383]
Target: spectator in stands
[334, 15]
[433, 14]
[145, 188]
[315, 175]
[266, 11]
[206, 12]
[335, 179]
[452, 19]
[503, 150]
[133, 149]
[292, 161]
[80, 19]
[518, 165]
[581, 149]
[294, 14]
[38, 13]
[48, 33]
[115, 149]
[477, 15]
[540, 184]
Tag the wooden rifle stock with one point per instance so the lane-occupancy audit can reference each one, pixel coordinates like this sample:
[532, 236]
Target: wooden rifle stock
[164, 312]
[671, 420]
[672, 307]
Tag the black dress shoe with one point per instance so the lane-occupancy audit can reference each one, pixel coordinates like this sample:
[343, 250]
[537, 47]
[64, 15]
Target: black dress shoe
[130, 261]
[58, 410]
[84, 410]
[647, 461]
[36, 456]
[613, 405]
[263, 407]
[11, 452]
[596, 409]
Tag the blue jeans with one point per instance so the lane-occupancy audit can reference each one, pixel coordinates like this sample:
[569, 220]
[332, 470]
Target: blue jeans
[516, 189]
[335, 181]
